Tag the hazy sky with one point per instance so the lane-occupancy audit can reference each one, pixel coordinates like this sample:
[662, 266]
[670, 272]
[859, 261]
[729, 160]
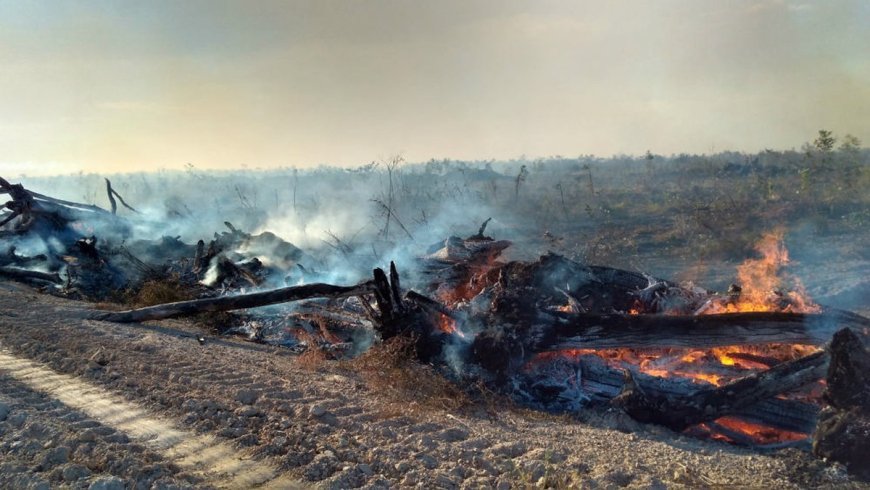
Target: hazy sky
[114, 86]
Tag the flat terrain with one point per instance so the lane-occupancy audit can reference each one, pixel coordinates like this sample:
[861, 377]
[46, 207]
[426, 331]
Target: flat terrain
[239, 412]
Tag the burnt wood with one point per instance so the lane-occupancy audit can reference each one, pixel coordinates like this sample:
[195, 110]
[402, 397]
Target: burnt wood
[568, 331]
[709, 404]
[29, 276]
[843, 432]
[226, 303]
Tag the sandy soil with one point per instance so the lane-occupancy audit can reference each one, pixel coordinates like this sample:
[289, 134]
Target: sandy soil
[323, 426]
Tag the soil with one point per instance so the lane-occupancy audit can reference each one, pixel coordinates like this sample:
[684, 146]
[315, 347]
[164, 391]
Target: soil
[304, 424]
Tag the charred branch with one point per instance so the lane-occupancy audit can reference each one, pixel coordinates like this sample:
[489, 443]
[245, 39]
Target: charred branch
[429, 304]
[111, 197]
[242, 301]
[112, 193]
[480, 232]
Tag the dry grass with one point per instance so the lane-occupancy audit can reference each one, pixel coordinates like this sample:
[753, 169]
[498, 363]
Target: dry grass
[159, 291]
[391, 370]
[313, 360]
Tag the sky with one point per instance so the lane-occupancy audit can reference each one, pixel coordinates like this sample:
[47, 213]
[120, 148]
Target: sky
[116, 86]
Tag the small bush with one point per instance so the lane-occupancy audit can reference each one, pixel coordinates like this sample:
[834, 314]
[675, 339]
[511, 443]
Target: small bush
[391, 370]
[159, 291]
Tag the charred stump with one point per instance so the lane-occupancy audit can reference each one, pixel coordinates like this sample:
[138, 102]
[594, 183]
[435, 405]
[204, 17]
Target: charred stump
[843, 432]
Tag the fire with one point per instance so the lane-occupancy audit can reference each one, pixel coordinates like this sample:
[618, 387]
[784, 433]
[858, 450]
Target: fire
[448, 325]
[716, 366]
[761, 283]
[735, 427]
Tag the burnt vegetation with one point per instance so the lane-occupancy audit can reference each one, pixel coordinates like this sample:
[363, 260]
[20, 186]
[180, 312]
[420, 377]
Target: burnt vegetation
[581, 304]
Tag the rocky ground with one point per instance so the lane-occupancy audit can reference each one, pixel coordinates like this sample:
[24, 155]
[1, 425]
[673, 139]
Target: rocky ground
[319, 423]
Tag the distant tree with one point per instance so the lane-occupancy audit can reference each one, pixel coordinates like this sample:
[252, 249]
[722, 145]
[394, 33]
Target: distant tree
[850, 144]
[825, 142]
[521, 177]
[849, 160]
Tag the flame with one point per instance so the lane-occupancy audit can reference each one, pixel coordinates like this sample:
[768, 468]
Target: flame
[447, 325]
[761, 283]
[716, 366]
[758, 433]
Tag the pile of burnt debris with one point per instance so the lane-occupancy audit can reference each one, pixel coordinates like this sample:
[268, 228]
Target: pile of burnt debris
[553, 333]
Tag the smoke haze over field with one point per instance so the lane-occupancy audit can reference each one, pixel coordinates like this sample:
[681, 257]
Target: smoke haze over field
[128, 86]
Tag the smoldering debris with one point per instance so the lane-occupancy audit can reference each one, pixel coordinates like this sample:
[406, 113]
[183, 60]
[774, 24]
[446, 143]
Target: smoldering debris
[553, 333]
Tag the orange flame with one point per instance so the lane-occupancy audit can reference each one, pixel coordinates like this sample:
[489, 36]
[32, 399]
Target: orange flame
[759, 433]
[717, 365]
[761, 282]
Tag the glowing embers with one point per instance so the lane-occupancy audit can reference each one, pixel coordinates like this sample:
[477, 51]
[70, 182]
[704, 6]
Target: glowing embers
[595, 375]
[476, 278]
[448, 325]
[716, 366]
[736, 430]
[762, 282]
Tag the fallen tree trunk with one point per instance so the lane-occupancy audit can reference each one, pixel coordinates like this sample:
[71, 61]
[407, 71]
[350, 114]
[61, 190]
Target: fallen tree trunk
[226, 303]
[710, 404]
[660, 331]
[29, 276]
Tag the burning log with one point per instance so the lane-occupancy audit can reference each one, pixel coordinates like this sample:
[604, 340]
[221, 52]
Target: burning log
[226, 303]
[710, 404]
[598, 383]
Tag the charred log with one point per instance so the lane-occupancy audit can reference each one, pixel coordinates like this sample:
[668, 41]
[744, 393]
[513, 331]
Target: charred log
[226, 303]
[568, 331]
[596, 382]
[525, 289]
[710, 404]
[30, 276]
[11, 257]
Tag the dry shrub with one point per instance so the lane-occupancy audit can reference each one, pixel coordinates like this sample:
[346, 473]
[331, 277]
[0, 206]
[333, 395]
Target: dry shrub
[391, 370]
[159, 291]
[313, 359]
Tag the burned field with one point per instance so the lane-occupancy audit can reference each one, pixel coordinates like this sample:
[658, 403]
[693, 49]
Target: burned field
[758, 367]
